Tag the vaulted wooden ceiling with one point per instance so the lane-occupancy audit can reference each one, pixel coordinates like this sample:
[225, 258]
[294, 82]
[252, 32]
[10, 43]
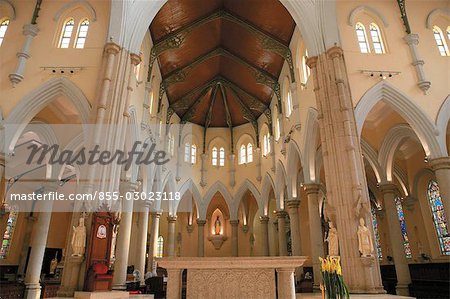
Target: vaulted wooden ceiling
[221, 59]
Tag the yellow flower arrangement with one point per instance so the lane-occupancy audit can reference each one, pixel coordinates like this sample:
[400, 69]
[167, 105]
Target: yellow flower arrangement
[332, 285]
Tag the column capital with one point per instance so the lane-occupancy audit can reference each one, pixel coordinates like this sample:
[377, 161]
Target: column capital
[112, 48]
[293, 203]
[311, 188]
[311, 62]
[234, 222]
[440, 163]
[281, 214]
[264, 219]
[335, 52]
[50, 186]
[129, 186]
[30, 29]
[135, 59]
[388, 187]
[201, 222]
[172, 218]
[156, 214]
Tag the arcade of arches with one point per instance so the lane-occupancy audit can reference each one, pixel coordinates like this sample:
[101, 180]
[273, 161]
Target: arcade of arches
[280, 119]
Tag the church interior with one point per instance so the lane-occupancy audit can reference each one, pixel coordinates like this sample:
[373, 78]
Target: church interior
[293, 130]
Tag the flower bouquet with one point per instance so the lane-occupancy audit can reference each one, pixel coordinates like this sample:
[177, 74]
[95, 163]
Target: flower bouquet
[333, 285]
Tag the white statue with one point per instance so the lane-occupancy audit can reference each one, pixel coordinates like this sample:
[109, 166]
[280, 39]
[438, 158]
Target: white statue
[333, 241]
[365, 244]
[53, 264]
[79, 238]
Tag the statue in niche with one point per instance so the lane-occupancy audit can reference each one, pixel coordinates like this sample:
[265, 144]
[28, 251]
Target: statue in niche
[54, 264]
[365, 244]
[79, 238]
[332, 239]
[217, 226]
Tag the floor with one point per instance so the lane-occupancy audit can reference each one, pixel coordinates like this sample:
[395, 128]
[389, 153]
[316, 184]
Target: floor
[352, 296]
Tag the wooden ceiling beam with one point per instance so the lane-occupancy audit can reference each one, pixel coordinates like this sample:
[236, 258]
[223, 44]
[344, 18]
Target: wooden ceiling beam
[193, 108]
[176, 39]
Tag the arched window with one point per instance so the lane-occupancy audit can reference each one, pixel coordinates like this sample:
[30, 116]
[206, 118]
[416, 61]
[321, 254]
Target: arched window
[401, 218]
[242, 155]
[277, 129]
[440, 41]
[171, 144]
[266, 144]
[377, 235]
[150, 109]
[249, 153]
[66, 34]
[377, 41]
[82, 34]
[222, 157]
[440, 222]
[289, 102]
[3, 27]
[362, 38]
[9, 231]
[193, 154]
[305, 68]
[160, 247]
[187, 154]
[448, 32]
[214, 156]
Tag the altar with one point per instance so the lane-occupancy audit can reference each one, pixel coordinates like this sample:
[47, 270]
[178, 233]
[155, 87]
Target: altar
[232, 277]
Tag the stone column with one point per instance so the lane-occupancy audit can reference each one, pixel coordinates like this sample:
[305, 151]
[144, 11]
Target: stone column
[38, 244]
[413, 41]
[282, 243]
[347, 195]
[396, 239]
[257, 157]
[315, 229]
[295, 105]
[264, 235]
[174, 283]
[142, 241]
[29, 222]
[292, 206]
[171, 235]
[154, 234]
[30, 31]
[201, 237]
[286, 284]
[204, 170]
[232, 170]
[441, 167]
[123, 238]
[234, 237]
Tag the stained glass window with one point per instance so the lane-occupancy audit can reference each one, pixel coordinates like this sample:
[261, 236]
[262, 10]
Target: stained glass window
[289, 103]
[362, 39]
[401, 218]
[3, 27]
[377, 235]
[8, 234]
[437, 209]
[160, 247]
[66, 34]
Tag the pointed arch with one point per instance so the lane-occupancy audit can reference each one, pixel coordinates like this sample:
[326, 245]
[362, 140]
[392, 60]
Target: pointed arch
[246, 185]
[436, 12]
[393, 139]
[399, 101]
[309, 146]
[9, 8]
[372, 158]
[367, 9]
[267, 184]
[189, 186]
[294, 158]
[38, 99]
[442, 122]
[88, 8]
[216, 187]
[280, 184]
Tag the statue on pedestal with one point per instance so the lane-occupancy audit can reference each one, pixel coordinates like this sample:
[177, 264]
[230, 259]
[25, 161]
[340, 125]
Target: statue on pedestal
[54, 264]
[365, 244]
[217, 226]
[79, 238]
[333, 241]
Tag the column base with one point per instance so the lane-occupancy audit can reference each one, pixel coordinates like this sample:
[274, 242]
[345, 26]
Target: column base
[402, 289]
[32, 291]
